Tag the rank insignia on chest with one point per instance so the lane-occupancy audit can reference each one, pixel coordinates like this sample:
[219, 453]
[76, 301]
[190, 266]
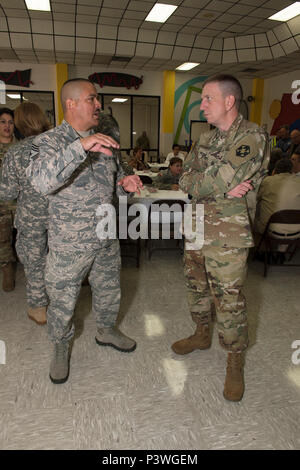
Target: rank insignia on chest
[243, 151]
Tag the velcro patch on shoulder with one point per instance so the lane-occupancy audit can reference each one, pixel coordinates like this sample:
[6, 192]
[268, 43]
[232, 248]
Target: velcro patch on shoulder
[242, 151]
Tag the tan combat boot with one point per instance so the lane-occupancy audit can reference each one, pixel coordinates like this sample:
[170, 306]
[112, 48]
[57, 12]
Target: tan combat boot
[8, 283]
[234, 382]
[38, 314]
[201, 339]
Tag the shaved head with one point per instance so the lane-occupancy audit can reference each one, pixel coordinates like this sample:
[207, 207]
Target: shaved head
[72, 89]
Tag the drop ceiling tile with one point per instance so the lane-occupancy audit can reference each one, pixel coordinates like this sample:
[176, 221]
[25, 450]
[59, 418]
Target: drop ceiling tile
[163, 52]
[16, 13]
[174, 19]
[150, 25]
[109, 21]
[125, 48]
[230, 19]
[20, 40]
[166, 38]
[85, 44]
[214, 57]
[4, 40]
[198, 22]
[63, 17]
[294, 25]
[40, 26]
[40, 15]
[111, 13]
[289, 46]
[144, 50]
[277, 51]
[209, 32]
[282, 32]
[12, 4]
[63, 8]
[88, 10]
[272, 38]
[185, 39]
[208, 15]
[217, 44]
[297, 38]
[147, 35]
[87, 19]
[62, 28]
[173, 27]
[246, 55]
[229, 44]
[130, 23]
[218, 26]
[3, 24]
[237, 28]
[262, 13]
[229, 57]
[86, 30]
[64, 43]
[203, 42]
[107, 32]
[261, 40]
[190, 30]
[217, 5]
[244, 42]
[139, 6]
[263, 53]
[181, 53]
[20, 25]
[248, 20]
[195, 3]
[199, 55]
[42, 42]
[278, 4]
[186, 12]
[106, 46]
[128, 34]
[134, 15]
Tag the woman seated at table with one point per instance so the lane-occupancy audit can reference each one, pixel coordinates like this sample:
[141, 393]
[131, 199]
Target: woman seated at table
[136, 160]
[169, 178]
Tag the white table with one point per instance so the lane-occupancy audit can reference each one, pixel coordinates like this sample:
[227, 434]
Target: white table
[146, 173]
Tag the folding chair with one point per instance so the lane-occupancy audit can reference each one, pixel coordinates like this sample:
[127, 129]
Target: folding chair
[270, 242]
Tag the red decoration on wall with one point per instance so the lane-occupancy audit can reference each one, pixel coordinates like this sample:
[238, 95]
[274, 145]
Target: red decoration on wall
[18, 77]
[116, 80]
[289, 113]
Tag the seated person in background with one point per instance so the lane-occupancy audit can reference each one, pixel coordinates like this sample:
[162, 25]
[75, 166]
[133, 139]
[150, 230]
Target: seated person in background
[136, 160]
[169, 179]
[295, 138]
[295, 159]
[275, 155]
[283, 139]
[175, 153]
[276, 193]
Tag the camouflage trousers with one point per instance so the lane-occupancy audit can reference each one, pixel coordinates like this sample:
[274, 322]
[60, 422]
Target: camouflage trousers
[6, 230]
[32, 251]
[214, 279]
[66, 268]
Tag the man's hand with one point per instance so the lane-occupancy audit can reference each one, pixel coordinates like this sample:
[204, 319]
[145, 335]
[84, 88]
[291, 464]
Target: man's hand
[99, 143]
[175, 187]
[240, 190]
[131, 184]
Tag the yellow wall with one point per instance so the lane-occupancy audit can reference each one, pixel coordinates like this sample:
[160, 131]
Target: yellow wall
[257, 104]
[168, 101]
[61, 77]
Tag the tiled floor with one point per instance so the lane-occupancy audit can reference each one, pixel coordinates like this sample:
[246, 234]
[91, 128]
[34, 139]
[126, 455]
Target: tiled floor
[153, 399]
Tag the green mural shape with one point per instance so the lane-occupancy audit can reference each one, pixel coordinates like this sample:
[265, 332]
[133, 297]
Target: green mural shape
[184, 110]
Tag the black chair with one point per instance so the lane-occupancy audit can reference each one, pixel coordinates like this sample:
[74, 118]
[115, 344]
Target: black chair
[146, 179]
[157, 225]
[270, 243]
[130, 248]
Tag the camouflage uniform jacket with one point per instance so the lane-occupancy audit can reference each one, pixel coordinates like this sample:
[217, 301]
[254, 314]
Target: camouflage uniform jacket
[217, 163]
[32, 208]
[76, 183]
[165, 179]
[11, 205]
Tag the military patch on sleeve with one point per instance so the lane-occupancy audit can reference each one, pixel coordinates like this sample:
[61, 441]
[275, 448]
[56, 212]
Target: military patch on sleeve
[243, 151]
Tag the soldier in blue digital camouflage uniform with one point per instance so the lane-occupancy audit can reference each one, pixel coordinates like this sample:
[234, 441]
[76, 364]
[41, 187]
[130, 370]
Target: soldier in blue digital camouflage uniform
[76, 168]
[222, 172]
[31, 218]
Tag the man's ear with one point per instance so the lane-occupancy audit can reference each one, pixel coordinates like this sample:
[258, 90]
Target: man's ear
[70, 103]
[229, 102]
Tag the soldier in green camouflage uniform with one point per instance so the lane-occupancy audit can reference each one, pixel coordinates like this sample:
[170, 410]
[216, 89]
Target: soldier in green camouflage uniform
[76, 169]
[169, 179]
[31, 218]
[221, 168]
[7, 209]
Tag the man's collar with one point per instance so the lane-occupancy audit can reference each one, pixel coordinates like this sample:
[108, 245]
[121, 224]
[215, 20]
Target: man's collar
[231, 132]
